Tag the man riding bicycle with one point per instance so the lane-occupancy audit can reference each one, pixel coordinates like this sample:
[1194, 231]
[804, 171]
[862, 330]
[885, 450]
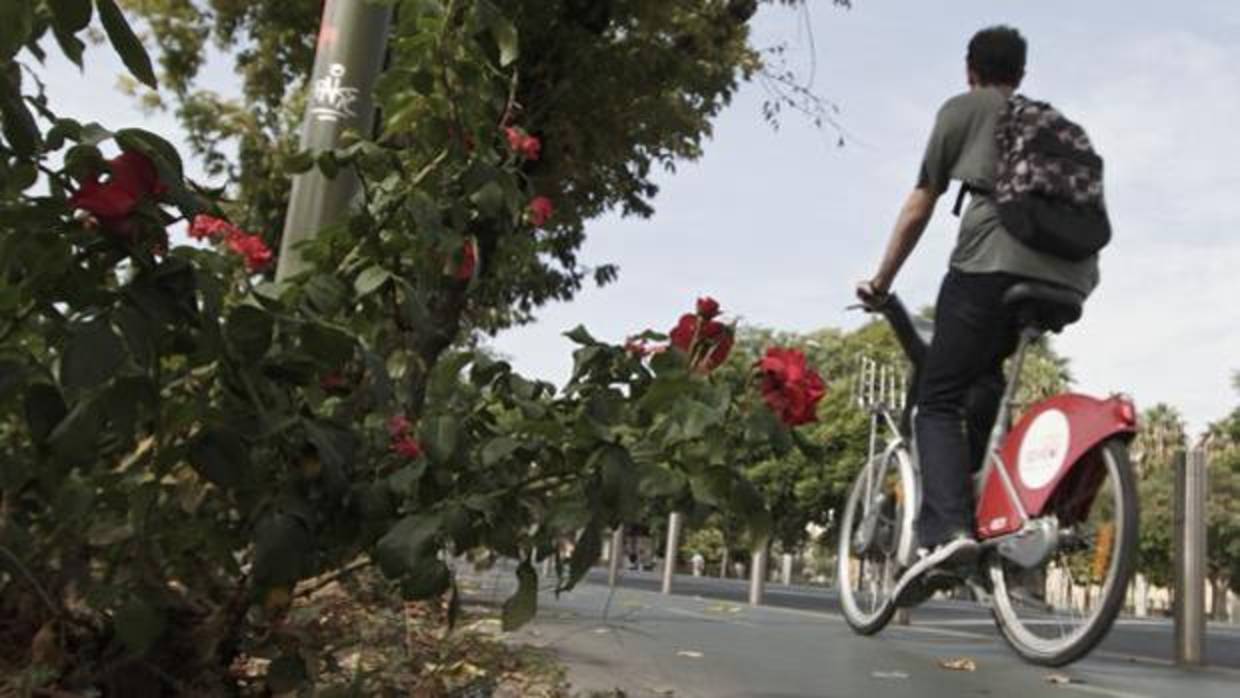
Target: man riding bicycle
[960, 385]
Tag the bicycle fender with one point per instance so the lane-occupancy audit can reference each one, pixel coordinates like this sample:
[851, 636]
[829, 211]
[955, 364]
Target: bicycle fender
[1051, 439]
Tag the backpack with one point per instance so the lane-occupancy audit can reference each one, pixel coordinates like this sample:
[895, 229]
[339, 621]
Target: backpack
[1048, 184]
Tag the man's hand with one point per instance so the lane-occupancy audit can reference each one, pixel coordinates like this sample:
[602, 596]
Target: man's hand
[871, 294]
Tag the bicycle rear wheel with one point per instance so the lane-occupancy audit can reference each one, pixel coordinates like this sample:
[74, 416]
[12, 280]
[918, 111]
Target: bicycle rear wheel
[874, 529]
[1055, 614]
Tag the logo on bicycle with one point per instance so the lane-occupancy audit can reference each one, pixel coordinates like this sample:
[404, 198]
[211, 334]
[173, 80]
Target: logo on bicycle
[1043, 449]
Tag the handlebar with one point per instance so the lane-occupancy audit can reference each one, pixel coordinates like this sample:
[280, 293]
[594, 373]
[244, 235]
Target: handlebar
[912, 341]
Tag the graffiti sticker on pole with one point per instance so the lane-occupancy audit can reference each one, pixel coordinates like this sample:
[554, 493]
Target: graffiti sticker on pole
[332, 99]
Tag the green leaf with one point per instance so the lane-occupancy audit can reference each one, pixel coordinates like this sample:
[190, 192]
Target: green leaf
[336, 446]
[249, 331]
[16, 23]
[410, 543]
[586, 552]
[12, 373]
[220, 455]
[619, 493]
[139, 625]
[581, 336]
[328, 164]
[489, 199]
[70, 16]
[126, 43]
[299, 162]
[370, 280]
[330, 346]
[286, 674]
[45, 408]
[74, 440]
[325, 294]
[428, 580]
[162, 153]
[92, 355]
[70, 45]
[19, 127]
[497, 450]
[659, 481]
[521, 607]
[282, 551]
[441, 434]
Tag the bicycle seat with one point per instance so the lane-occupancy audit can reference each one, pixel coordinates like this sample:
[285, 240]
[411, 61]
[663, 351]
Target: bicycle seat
[1044, 306]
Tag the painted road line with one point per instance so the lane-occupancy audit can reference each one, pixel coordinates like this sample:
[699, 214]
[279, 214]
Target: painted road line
[1100, 691]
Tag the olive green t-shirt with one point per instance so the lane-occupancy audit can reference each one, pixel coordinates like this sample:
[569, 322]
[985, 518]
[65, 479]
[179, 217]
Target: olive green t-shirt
[962, 147]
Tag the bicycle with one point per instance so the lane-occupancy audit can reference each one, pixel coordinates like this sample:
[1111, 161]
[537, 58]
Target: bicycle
[1055, 503]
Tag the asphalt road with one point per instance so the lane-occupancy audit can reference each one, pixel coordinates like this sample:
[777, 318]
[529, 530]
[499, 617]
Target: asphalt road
[693, 645]
[1142, 638]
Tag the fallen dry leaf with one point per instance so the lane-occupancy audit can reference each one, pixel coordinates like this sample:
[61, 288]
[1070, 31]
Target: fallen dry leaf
[1060, 679]
[959, 664]
[692, 654]
[888, 675]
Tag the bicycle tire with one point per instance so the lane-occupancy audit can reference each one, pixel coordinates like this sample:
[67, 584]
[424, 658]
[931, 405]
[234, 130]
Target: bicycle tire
[870, 622]
[1019, 634]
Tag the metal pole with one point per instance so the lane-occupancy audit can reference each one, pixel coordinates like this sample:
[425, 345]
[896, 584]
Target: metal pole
[1190, 567]
[757, 576]
[617, 552]
[785, 569]
[352, 43]
[669, 555]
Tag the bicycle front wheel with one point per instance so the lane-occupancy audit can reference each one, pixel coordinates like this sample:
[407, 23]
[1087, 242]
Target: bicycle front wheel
[1055, 614]
[874, 531]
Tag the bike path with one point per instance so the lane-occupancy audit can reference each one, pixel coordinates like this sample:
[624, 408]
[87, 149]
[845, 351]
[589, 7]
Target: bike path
[647, 644]
[1140, 639]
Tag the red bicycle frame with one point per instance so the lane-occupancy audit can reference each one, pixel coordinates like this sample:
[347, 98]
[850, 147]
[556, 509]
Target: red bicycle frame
[1051, 447]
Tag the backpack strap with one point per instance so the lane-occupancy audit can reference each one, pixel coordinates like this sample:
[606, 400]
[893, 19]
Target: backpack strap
[965, 188]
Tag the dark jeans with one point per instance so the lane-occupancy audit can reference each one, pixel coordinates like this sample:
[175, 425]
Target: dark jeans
[959, 390]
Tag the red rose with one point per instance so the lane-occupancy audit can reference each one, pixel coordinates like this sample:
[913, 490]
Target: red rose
[252, 248]
[637, 347]
[790, 387]
[133, 179]
[407, 447]
[206, 227]
[685, 331]
[398, 426]
[721, 339]
[469, 261]
[708, 344]
[540, 210]
[523, 144]
[531, 148]
[333, 382]
[707, 308]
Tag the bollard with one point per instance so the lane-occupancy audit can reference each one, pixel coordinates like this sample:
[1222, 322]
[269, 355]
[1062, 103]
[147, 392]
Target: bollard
[902, 617]
[785, 570]
[757, 576]
[673, 545]
[1190, 568]
[617, 553]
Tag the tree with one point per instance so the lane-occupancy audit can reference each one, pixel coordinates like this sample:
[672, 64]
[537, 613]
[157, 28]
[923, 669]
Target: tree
[1160, 439]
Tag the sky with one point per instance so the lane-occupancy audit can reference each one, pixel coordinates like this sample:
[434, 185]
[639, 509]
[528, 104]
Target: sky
[778, 225]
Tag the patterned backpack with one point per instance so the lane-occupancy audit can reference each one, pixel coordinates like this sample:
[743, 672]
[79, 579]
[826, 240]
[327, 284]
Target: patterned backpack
[1048, 185]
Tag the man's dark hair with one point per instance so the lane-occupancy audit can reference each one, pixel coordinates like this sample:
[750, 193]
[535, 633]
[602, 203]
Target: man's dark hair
[997, 55]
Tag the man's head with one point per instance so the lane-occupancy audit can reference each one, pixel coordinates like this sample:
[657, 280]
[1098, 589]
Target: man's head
[996, 57]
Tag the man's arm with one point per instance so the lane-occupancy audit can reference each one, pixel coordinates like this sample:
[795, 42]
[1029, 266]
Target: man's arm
[914, 215]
